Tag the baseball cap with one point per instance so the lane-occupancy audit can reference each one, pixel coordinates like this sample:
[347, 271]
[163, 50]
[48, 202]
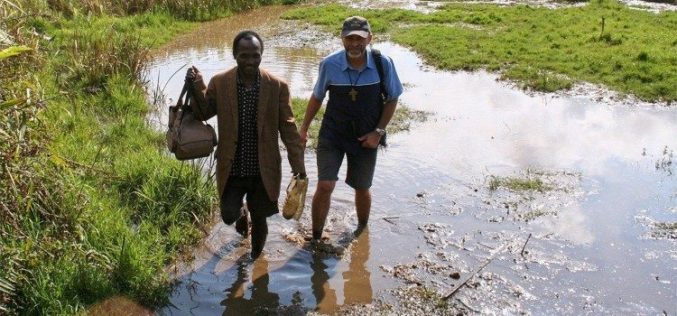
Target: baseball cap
[356, 25]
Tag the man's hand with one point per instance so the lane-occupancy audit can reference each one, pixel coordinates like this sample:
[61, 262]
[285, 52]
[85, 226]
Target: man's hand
[193, 74]
[304, 137]
[370, 140]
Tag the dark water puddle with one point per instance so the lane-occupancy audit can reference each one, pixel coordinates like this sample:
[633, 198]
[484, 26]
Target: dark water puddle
[599, 240]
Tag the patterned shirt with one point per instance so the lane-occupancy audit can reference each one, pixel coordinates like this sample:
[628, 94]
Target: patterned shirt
[247, 154]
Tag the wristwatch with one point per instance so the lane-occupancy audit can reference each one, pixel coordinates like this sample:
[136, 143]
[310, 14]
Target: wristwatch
[380, 131]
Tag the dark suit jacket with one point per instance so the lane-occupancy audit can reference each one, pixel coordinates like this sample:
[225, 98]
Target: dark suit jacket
[274, 118]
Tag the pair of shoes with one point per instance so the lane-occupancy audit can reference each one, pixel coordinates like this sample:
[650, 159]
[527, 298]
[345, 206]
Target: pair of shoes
[242, 225]
[259, 235]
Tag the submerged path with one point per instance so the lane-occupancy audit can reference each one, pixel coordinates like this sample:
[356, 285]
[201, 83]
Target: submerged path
[601, 223]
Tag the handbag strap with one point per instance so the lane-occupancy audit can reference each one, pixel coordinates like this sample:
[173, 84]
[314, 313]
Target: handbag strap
[184, 91]
[189, 95]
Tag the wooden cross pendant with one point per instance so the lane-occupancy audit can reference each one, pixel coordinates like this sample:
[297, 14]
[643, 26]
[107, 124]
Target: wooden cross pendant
[353, 94]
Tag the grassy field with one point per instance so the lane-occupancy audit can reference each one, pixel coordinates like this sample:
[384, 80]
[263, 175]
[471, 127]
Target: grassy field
[91, 205]
[603, 42]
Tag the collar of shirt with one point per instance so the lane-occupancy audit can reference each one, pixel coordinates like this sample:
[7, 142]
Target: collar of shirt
[345, 65]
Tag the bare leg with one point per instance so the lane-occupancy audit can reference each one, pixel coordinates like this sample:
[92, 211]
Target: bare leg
[320, 208]
[363, 206]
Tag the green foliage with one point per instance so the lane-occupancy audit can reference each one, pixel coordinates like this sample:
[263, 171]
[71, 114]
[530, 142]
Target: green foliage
[332, 15]
[299, 106]
[404, 117]
[167, 197]
[183, 9]
[88, 56]
[91, 205]
[540, 80]
[603, 42]
[13, 51]
[517, 184]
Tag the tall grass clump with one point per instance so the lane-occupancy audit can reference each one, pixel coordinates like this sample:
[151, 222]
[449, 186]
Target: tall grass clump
[91, 205]
[25, 194]
[202, 10]
[94, 55]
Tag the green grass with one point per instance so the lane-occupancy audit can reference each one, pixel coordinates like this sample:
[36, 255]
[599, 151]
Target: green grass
[299, 108]
[517, 184]
[91, 204]
[540, 48]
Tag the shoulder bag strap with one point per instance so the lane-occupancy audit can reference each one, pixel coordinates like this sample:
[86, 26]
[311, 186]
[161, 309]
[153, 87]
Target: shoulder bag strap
[376, 54]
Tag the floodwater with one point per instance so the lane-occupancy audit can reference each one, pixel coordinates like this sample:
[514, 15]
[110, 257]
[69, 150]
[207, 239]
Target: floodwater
[600, 239]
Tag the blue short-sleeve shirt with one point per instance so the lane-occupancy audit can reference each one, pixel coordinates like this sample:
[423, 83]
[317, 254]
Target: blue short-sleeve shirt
[335, 70]
[355, 104]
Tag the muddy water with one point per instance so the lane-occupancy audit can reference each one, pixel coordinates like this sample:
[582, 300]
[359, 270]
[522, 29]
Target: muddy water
[599, 240]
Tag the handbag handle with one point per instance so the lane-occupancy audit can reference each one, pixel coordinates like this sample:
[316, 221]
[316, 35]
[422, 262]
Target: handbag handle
[187, 89]
[184, 91]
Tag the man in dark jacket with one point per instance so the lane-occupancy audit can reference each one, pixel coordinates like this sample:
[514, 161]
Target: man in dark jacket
[253, 109]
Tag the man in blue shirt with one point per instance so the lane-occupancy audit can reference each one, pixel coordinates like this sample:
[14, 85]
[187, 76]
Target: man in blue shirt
[358, 111]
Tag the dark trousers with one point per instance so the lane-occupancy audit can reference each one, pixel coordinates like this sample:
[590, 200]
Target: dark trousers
[258, 203]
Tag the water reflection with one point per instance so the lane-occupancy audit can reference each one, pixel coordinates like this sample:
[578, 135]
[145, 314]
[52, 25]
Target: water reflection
[572, 224]
[357, 279]
[260, 298]
[479, 127]
[325, 296]
[314, 277]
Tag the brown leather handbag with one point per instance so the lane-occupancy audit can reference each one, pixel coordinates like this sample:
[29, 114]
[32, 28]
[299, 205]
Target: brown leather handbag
[188, 137]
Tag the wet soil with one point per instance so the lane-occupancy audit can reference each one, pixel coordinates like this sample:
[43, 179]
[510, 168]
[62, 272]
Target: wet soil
[596, 237]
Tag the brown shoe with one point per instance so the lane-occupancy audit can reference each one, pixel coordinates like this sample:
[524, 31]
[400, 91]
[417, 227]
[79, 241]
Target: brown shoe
[242, 225]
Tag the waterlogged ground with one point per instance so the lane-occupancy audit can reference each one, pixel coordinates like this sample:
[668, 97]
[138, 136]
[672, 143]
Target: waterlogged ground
[501, 202]
[427, 6]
